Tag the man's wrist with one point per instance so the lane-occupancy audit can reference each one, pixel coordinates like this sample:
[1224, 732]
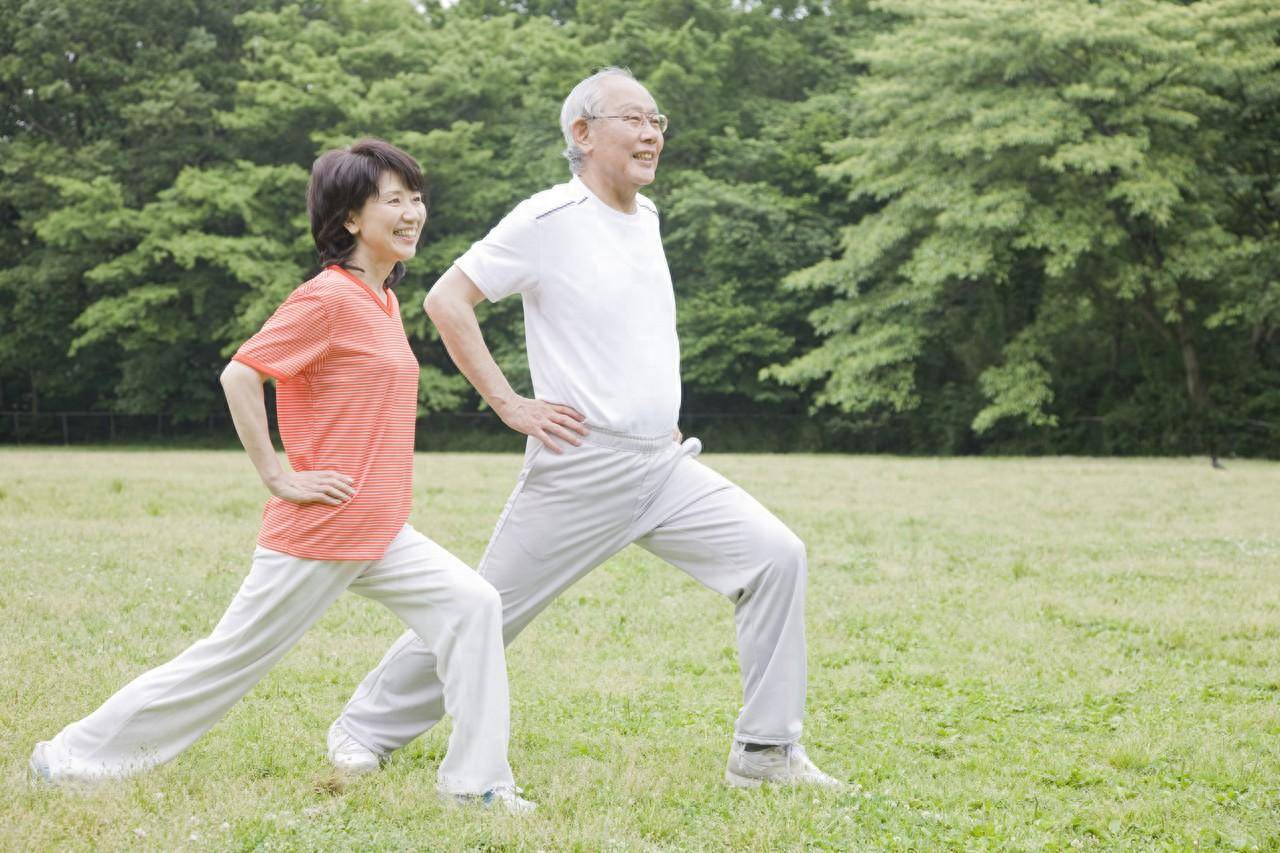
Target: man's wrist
[502, 403]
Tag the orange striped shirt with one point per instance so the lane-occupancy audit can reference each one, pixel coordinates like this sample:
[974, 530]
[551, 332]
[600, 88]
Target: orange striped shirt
[346, 401]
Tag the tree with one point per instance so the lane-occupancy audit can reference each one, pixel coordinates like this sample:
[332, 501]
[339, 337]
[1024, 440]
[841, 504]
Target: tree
[104, 103]
[1046, 172]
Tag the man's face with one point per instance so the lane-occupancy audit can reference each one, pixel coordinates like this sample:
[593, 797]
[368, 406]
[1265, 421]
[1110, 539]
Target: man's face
[617, 151]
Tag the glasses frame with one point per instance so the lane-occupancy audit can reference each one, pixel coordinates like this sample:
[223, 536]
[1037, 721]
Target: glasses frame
[657, 121]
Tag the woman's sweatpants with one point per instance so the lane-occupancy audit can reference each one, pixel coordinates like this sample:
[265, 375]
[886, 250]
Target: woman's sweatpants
[450, 609]
[572, 511]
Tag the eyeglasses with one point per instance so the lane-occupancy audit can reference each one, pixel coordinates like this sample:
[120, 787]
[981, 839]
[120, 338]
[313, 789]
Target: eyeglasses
[635, 121]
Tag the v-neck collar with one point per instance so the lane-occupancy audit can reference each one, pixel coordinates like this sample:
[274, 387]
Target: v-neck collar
[384, 304]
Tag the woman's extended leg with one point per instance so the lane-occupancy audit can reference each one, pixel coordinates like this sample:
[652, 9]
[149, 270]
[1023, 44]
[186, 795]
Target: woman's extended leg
[161, 712]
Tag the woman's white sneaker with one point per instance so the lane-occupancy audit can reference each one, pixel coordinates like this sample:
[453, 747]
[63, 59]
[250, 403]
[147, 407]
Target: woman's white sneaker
[38, 766]
[348, 755]
[506, 797]
[786, 764]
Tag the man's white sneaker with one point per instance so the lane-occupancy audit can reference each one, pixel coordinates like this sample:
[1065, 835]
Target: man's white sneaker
[780, 765]
[348, 755]
[506, 797]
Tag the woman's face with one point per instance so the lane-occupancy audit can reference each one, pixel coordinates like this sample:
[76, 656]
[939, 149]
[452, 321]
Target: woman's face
[388, 226]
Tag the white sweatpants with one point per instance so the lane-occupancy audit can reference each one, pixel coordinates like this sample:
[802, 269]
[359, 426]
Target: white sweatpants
[571, 512]
[452, 611]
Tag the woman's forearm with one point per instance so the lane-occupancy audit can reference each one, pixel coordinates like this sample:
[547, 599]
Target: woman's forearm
[243, 387]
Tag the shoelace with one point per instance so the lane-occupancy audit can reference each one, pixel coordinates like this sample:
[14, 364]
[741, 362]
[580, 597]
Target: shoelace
[797, 758]
[502, 792]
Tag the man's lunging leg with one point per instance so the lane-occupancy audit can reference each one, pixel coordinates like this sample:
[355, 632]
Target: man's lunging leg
[726, 540]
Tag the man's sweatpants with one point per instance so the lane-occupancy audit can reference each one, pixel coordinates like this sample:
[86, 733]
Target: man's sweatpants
[571, 512]
[452, 611]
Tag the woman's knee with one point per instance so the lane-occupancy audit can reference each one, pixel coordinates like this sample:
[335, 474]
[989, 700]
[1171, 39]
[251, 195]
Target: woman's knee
[476, 596]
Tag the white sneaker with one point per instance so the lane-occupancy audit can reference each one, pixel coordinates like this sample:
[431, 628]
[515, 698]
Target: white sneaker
[46, 769]
[38, 765]
[781, 765]
[506, 797]
[348, 755]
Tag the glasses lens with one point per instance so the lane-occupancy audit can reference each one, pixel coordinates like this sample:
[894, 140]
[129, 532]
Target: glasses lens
[660, 122]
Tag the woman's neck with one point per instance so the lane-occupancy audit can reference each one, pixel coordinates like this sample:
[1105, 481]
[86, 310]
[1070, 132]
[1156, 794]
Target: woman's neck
[370, 271]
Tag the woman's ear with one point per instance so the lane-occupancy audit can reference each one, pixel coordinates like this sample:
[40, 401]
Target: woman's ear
[352, 224]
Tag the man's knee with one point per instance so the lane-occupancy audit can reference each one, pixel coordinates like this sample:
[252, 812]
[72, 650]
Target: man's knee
[786, 553]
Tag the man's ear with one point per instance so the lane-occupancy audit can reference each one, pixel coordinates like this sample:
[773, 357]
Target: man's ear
[581, 129]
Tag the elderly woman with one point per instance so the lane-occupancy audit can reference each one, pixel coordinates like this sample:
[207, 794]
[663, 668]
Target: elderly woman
[347, 388]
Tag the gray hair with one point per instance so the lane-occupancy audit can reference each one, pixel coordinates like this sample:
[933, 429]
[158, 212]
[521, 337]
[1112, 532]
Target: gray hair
[584, 102]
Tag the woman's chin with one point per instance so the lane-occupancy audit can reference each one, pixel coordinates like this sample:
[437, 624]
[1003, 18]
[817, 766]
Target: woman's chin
[403, 254]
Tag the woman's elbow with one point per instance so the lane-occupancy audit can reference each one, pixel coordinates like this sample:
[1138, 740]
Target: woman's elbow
[236, 372]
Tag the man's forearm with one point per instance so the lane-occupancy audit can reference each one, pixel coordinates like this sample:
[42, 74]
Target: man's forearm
[460, 331]
[451, 305]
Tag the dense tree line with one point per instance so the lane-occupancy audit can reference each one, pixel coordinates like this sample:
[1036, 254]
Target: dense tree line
[925, 225]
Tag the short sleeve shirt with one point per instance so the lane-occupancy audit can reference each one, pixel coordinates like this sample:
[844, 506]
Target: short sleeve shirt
[599, 308]
[346, 401]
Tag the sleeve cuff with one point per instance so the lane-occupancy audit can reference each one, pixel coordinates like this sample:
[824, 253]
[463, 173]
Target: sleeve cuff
[260, 367]
[463, 264]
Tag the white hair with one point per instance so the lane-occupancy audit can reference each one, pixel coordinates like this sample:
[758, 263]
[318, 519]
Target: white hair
[585, 102]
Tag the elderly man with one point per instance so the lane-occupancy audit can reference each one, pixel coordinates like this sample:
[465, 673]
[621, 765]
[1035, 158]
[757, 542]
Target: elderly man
[604, 466]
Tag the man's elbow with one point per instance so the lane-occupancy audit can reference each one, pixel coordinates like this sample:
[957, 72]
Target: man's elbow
[439, 305]
[431, 304]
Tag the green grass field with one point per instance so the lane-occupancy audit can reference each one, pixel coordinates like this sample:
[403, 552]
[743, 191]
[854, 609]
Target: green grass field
[1013, 654]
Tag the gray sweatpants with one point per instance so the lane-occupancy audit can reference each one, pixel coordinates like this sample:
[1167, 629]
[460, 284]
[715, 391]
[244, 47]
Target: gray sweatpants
[568, 514]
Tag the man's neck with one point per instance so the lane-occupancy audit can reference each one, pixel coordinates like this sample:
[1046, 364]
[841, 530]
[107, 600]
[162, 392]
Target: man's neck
[621, 198]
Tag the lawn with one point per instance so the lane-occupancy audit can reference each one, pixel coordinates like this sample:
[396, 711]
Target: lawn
[1004, 653]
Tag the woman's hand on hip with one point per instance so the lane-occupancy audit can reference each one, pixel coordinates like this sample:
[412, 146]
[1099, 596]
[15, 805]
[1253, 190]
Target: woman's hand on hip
[312, 487]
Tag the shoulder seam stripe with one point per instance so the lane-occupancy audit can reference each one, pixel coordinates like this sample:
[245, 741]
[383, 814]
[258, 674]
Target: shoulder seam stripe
[558, 207]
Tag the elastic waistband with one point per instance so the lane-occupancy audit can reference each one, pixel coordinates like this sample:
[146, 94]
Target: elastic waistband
[601, 437]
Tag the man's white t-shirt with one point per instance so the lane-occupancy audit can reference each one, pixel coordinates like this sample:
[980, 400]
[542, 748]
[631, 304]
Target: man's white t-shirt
[599, 309]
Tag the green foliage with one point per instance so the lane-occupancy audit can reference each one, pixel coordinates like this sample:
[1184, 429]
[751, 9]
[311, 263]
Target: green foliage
[731, 245]
[105, 103]
[1080, 165]
[957, 225]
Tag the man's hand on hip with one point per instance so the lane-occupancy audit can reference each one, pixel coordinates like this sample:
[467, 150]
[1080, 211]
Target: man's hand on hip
[544, 421]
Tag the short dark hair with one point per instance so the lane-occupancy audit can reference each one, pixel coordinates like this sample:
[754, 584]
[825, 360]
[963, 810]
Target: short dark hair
[342, 180]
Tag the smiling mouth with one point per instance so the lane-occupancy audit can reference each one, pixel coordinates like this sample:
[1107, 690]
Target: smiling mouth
[645, 156]
[406, 234]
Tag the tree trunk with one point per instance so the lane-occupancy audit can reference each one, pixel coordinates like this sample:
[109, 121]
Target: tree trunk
[1191, 364]
[1202, 421]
